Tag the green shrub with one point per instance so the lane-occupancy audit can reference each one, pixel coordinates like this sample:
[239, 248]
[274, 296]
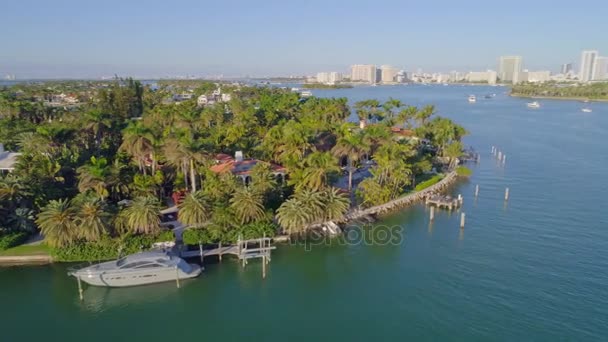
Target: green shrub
[213, 234]
[108, 248]
[464, 171]
[434, 180]
[12, 239]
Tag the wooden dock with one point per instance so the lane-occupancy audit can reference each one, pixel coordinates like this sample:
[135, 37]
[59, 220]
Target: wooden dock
[440, 201]
[243, 250]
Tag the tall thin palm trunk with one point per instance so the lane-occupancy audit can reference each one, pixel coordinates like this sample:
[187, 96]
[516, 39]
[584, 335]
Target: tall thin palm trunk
[192, 176]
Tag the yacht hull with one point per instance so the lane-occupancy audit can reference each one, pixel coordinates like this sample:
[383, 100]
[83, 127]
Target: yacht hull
[136, 277]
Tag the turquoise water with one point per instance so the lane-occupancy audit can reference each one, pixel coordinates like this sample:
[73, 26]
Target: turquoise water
[534, 268]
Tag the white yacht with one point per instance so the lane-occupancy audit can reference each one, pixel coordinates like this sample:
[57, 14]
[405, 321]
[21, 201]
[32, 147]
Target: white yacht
[306, 93]
[472, 99]
[534, 104]
[138, 269]
[586, 110]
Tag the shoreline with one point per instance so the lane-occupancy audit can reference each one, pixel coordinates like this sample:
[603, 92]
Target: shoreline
[563, 98]
[365, 214]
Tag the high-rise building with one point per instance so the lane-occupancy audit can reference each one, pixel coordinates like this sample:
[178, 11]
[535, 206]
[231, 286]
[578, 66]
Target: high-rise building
[388, 74]
[482, 77]
[600, 68]
[329, 77]
[401, 76]
[363, 73]
[509, 68]
[585, 73]
[566, 68]
[536, 76]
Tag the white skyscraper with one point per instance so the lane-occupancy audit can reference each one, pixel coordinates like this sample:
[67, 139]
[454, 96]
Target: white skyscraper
[389, 74]
[509, 68]
[586, 68]
[600, 68]
[363, 73]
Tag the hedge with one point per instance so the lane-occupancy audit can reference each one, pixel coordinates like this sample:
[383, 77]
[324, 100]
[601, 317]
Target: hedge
[463, 171]
[108, 248]
[213, 234]
[12, 239]
[429, 182]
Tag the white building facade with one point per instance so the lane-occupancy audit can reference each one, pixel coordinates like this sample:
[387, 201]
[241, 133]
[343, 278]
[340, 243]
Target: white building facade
[585, 73]
[509, 68]
[363, 73]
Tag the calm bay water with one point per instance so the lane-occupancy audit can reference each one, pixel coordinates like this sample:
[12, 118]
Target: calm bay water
[534, 268]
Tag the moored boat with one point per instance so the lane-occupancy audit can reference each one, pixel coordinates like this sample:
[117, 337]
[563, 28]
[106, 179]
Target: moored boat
[138, 269]
[586, 110]
[472, 99]
[534, 104]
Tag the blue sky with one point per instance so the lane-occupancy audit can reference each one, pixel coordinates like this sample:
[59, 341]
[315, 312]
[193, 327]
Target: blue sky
[67, 38]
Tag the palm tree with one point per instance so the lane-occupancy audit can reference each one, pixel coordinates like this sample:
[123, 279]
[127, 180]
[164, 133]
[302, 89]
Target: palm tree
[92, 219]
[248, 205]
[352, 146]
[311, 202]
[263, 180]
[423, 115]
[137, 141]
[194, 209]
[57, 223]
[335, 204]
[318, 167]
[453, 151]
[143, 215]
[94, 176]
[406, 115]
[12, 189]
[97, 122]
[291, 216]
[184, 153]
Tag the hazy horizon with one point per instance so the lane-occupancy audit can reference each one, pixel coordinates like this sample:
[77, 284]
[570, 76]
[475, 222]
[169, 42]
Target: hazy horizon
[64, 39]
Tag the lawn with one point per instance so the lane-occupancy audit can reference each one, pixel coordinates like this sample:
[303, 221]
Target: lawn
[40, 249]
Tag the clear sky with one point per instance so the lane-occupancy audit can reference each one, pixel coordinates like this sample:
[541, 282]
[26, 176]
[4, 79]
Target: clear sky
[69, 38]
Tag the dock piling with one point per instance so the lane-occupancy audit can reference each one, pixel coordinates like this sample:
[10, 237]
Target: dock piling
[504, 158]
[432, 214]
[200, 249]
[80, 295]
[476, 190]
[506, 194]
[462, 220]
[220, 253]
[499, 155]
[177, 276]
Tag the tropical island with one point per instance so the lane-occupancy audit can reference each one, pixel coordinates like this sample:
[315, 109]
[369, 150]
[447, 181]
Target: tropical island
[326, 86]
[573, 91]
[98, 167]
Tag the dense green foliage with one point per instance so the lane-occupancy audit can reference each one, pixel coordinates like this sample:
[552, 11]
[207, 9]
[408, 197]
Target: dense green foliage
[104, 165]
[464, 171]
[108, 248]
[594, 91]
[430, 182]
[214, 234]
[12, 239]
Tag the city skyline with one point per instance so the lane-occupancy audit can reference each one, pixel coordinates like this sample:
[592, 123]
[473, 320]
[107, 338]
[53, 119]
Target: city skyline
[64, 39]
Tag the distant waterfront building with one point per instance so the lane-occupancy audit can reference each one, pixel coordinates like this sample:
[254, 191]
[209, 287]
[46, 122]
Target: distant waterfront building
[585, 73]
[363, 73]
[482, 77]
[401, 76]
[388, 74]
[509, 68]
[566, 68]
[600, 68]
[535, 76]
[456, 76]
[329, 77]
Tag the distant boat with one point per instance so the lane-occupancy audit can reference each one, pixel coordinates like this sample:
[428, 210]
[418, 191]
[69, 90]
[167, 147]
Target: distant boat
[534, 104]
[488, 97]
[374, 85]
[586, 110]
[472, 99]
[306, 93]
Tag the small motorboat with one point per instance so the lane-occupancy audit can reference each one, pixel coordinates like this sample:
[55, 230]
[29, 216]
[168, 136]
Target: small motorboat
[534, 104]
[586, 110]
[472, 99]
[138, 269]
[306, 93]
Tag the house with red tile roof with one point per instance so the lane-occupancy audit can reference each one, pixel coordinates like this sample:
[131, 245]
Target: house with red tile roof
[242, 167]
